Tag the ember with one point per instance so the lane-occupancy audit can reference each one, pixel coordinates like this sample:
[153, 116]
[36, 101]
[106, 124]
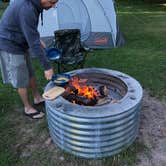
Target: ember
[84, 90]
[78, 92]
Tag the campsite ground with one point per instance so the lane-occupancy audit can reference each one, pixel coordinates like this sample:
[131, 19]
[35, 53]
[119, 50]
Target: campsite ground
[26, 142]
[33, 146]
[152, 132]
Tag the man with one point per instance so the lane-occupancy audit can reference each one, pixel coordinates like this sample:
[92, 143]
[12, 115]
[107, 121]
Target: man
[18, 33]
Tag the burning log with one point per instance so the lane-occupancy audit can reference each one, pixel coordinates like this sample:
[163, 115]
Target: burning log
[81, 100]
[102, 101]
[103, 90]
[79, 92]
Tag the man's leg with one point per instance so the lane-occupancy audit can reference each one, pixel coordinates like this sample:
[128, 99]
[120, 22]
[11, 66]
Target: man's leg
[27, 106]
[32, 80]
[15, 72]
[35, 92]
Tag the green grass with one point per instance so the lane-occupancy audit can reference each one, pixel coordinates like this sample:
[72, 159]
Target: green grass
[142, 56]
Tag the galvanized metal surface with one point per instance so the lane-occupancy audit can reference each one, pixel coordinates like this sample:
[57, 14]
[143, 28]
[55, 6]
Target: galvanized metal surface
[96, 131]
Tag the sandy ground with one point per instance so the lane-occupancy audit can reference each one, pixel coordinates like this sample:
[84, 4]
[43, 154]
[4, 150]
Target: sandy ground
[153, 132]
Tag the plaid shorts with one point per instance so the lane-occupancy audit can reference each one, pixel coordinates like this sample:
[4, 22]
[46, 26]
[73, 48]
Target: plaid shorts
[16, 69]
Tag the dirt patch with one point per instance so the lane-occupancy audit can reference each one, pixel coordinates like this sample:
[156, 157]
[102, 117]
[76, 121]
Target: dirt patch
[153, 132]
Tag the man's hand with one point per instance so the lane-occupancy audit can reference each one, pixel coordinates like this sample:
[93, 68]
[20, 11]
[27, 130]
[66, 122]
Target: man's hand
[48, 74]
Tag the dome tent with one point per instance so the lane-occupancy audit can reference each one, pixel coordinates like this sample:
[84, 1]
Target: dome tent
[96, 20]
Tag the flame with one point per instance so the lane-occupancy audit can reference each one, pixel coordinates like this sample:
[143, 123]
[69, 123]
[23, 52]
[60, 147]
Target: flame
[84, 90]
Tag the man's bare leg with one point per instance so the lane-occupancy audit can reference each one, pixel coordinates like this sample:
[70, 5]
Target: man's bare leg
[23, 92]
[37, 97]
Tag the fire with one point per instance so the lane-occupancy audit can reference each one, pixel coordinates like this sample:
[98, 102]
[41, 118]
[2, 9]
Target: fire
[84, 90]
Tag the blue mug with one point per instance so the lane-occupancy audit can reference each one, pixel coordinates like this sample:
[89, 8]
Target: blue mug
[53, 53]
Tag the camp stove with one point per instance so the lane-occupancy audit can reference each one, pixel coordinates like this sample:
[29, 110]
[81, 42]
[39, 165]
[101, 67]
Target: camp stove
[98, 115]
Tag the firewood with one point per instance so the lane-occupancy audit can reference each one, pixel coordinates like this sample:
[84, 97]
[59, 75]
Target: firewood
[102, 101]
[103, 90]
[81, 100]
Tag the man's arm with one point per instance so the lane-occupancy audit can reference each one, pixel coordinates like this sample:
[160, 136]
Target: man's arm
[28, 24]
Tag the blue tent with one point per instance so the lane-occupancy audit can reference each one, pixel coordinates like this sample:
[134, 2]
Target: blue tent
[96, 20]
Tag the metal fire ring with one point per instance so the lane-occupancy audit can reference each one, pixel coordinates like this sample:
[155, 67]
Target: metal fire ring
[96, 131]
